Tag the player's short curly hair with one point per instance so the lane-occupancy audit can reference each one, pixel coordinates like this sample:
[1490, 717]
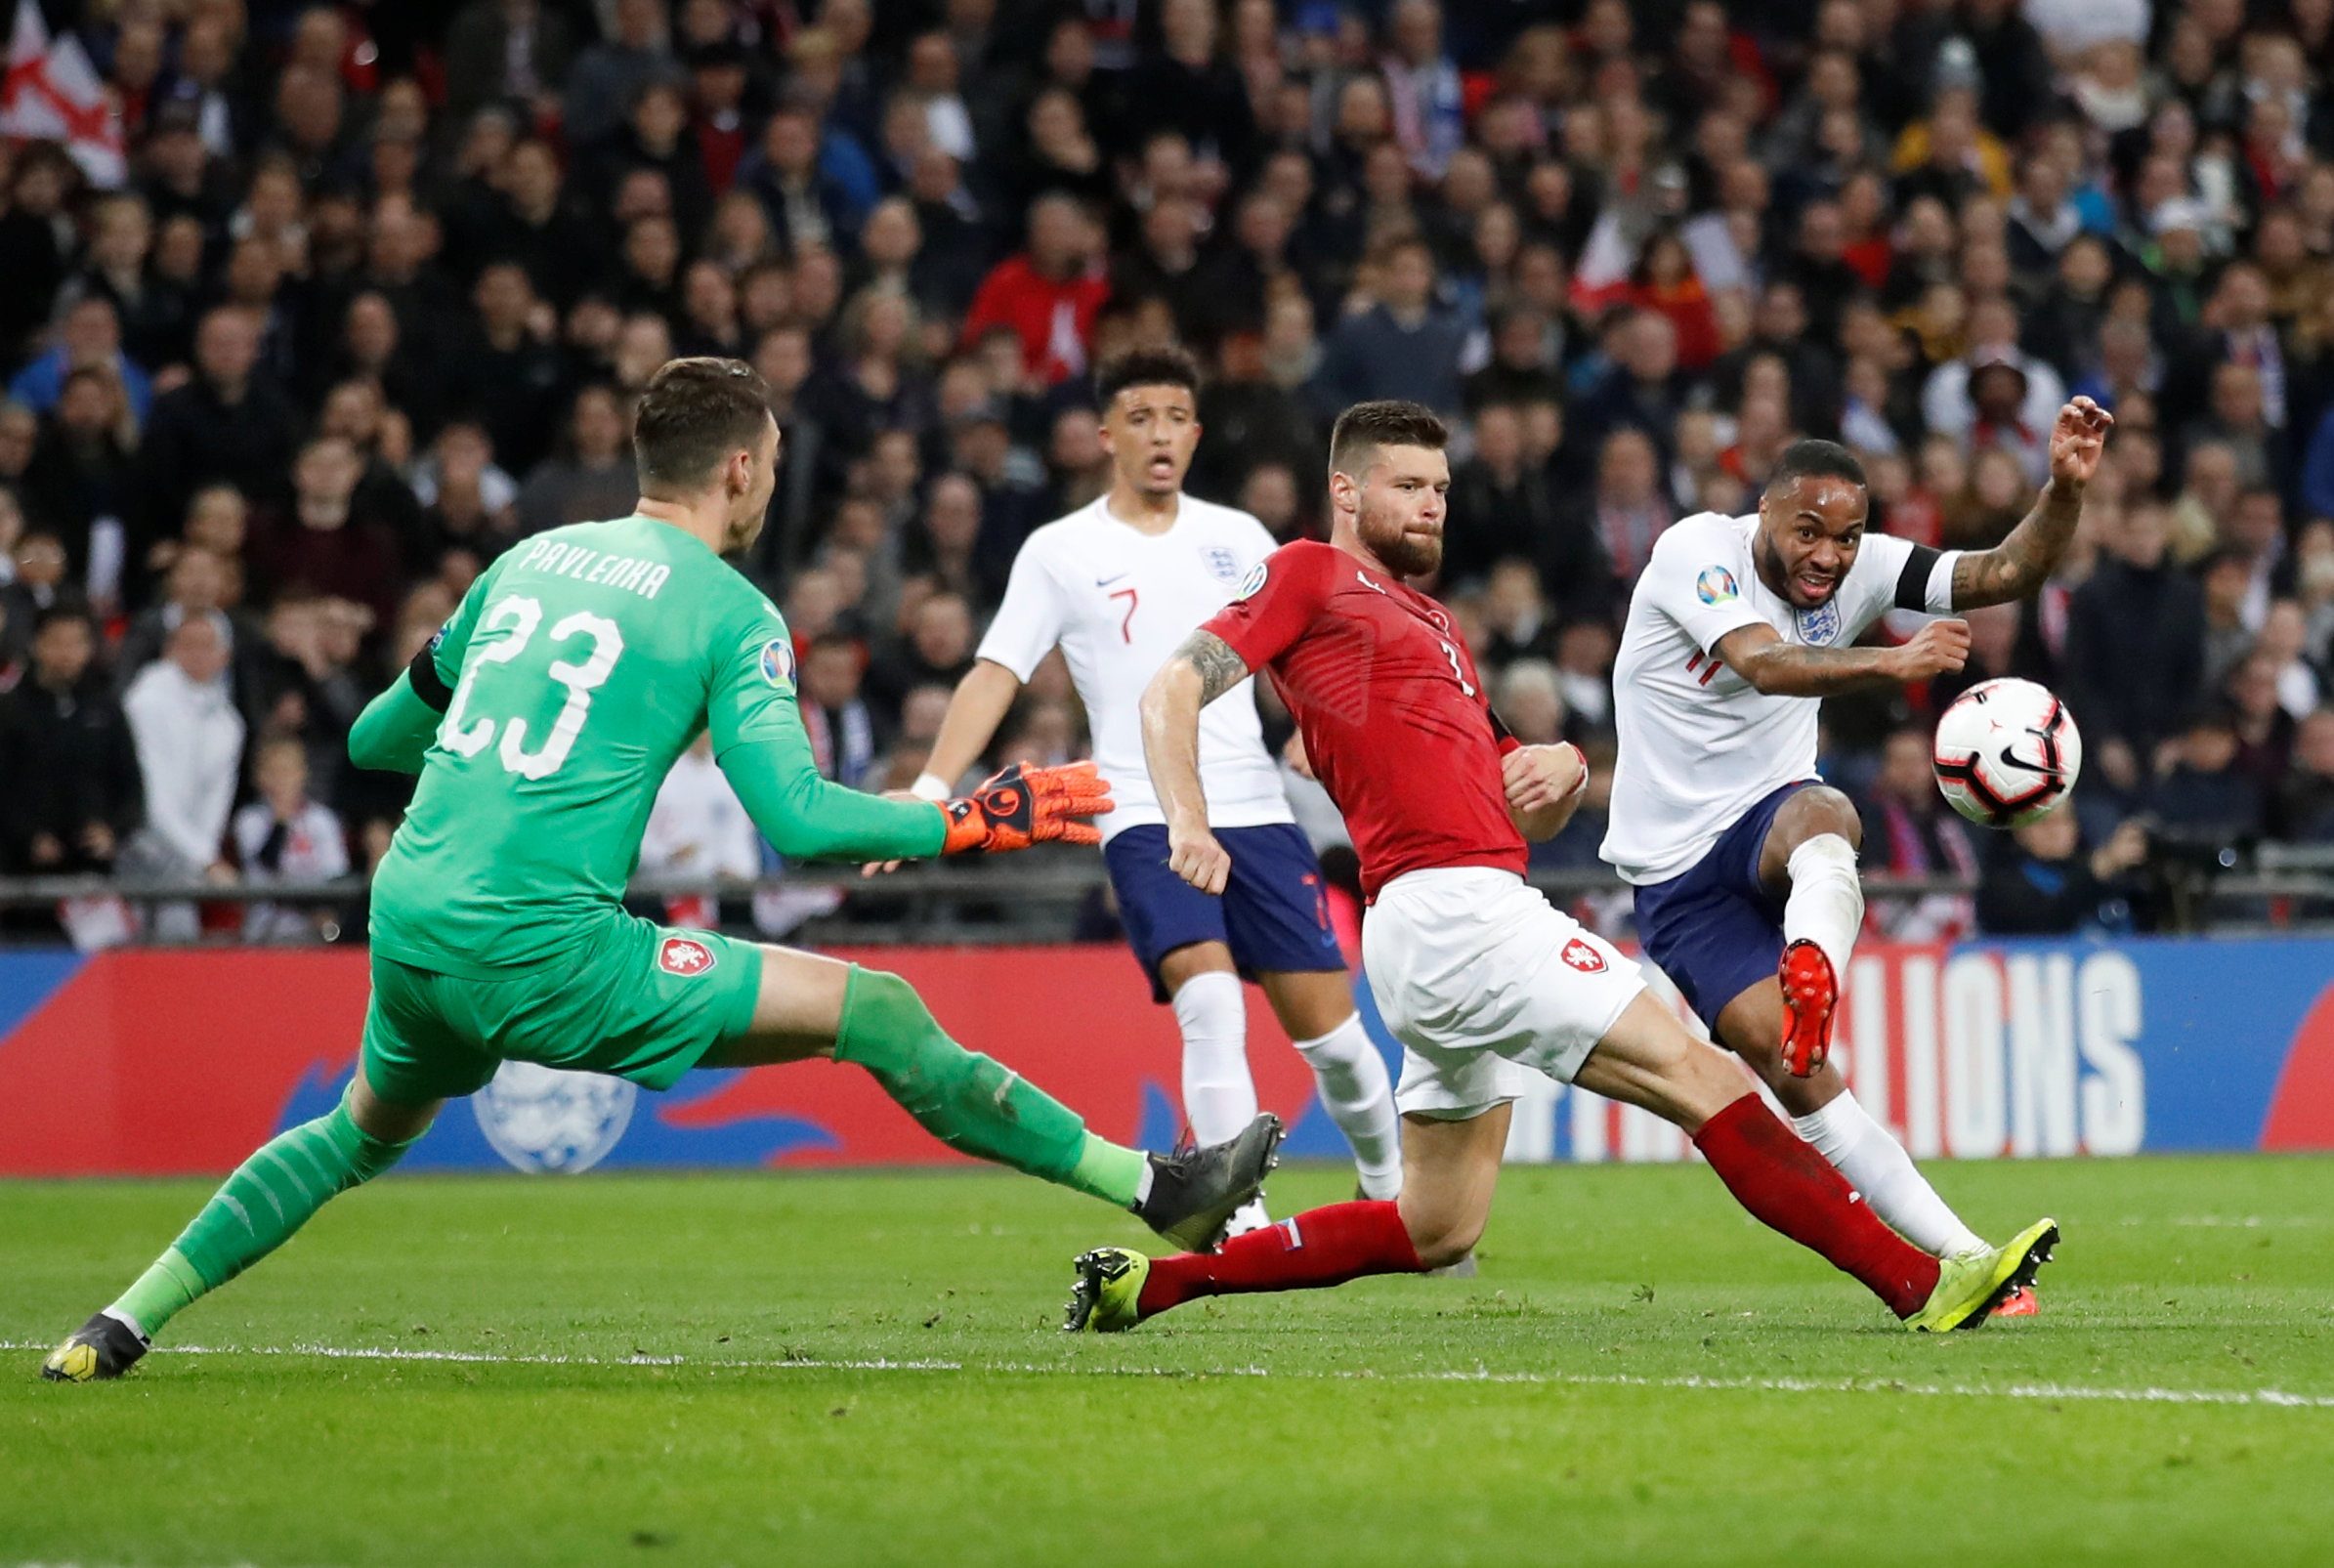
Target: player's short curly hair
[1169, 367]
[1363, 428]
[1816, 459]
[691, 415]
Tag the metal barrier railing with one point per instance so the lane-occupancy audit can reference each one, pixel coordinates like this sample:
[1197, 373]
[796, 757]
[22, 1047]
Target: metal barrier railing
[1041, 898]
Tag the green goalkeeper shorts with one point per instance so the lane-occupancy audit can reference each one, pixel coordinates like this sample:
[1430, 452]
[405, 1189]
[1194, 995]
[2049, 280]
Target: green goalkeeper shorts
[631, 999]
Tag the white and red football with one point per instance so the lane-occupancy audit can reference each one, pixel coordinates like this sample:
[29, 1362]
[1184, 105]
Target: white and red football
[2007, 754]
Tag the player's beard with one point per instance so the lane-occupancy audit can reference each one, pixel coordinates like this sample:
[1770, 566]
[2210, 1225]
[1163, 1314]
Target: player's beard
[1773, 568]
[1405, 553]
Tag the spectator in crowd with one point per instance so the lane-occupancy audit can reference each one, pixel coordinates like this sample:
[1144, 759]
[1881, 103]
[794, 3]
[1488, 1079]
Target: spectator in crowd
[1949, 402]
[1516, 617]
[936, 651]
[2042, 884]
[2203, 798]
[1623, 512]
[841, 728]
[1585, 651]
[1643, 390]
[1500, 507]
[223, 425]
[2305, 806]
[1908, 833]
[592, 479]
[2227, 581]
[505, 51]
[1048, 294]
[198, 583]
[82, 479]
[1404, 345]
[36, 583]
[2256, 531]
[150, 309]
[73, 792]
[698, 831]
[2135, 648]
[2284, 645]
[2265, 730]
[610, 75]
[306, 682]
[286, 837]
[330, 543]
[88, 338]
[506, 373]
[189, 743]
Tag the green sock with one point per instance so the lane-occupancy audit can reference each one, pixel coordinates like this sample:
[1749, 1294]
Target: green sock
[1111, 1170]
[270, 1196]
[974, 1103]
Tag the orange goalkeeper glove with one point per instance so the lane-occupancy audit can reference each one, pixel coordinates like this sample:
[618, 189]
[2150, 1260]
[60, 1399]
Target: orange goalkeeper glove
[1023, 806]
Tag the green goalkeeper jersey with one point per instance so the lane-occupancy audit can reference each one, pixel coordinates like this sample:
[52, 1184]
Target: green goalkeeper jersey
[582, 663]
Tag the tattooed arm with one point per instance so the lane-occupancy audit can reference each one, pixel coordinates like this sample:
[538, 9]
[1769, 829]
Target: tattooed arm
[2020, 563]
[1199, 673]
[1779, 669]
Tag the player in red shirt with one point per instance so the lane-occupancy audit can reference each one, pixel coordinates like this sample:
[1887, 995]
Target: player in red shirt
[1479, 977]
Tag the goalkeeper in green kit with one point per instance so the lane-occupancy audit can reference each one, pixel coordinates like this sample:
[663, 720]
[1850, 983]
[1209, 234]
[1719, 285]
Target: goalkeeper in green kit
[542, 720]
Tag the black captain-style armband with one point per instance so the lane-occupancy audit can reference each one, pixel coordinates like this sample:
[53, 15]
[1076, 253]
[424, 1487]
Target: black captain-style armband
[1912, 583]
[428, 684]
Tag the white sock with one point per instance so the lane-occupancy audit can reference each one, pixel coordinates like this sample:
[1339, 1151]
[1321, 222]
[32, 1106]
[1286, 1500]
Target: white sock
[1248, 1216]
[1360, 1099]
[1219, 1098]
[1876, 1164]
[1826, 906]
[129, 1323]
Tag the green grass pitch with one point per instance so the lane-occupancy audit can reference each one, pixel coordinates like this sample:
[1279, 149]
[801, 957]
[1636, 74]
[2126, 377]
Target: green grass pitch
[866, 1369]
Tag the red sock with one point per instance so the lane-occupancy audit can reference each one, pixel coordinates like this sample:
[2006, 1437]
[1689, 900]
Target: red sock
[1314, 1250]
[1785, 1184]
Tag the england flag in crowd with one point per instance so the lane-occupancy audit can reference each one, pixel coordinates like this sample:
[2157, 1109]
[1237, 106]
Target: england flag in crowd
[52, 94]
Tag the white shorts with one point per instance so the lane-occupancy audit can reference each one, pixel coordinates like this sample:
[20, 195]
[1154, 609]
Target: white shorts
[1480, 978]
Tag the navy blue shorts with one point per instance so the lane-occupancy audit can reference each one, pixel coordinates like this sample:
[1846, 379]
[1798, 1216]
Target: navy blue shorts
[1273, 914]
[1713, 929]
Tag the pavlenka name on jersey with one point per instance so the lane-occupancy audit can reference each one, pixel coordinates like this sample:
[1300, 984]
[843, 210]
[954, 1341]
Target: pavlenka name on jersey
[586, 564]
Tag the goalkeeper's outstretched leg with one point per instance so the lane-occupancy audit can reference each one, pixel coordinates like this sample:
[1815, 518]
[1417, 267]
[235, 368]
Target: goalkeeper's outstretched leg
[268, 1198]
[648, 1005]
[812, 1007]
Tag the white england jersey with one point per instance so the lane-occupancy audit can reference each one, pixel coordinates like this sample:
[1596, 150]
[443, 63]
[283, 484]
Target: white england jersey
[1120, 601]
[1699, 745]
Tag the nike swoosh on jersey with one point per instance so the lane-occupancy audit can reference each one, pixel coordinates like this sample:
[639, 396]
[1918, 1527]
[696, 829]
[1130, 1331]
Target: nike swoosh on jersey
[1104, 582]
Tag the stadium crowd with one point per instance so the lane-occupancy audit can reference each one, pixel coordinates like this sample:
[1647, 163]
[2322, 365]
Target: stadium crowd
[380, 281]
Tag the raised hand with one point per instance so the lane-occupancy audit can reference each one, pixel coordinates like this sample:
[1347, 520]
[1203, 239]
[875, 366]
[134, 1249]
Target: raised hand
[2078, 440]
[1023, 805]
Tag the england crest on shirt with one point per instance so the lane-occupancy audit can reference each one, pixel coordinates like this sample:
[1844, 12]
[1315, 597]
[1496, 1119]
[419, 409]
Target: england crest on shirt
[1820, 625]
[1222, 563]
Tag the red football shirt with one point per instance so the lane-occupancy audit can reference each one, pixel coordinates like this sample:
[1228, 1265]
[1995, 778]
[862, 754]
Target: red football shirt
[1394, 717]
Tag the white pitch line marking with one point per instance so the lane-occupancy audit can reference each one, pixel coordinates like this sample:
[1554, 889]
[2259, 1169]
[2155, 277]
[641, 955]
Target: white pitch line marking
[2276, 1398]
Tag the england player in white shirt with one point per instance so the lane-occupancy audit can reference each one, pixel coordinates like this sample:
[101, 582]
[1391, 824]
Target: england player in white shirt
[1744, 861]
[1117, 585]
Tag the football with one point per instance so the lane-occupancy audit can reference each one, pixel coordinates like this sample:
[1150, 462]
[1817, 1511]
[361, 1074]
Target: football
[2007, 753]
